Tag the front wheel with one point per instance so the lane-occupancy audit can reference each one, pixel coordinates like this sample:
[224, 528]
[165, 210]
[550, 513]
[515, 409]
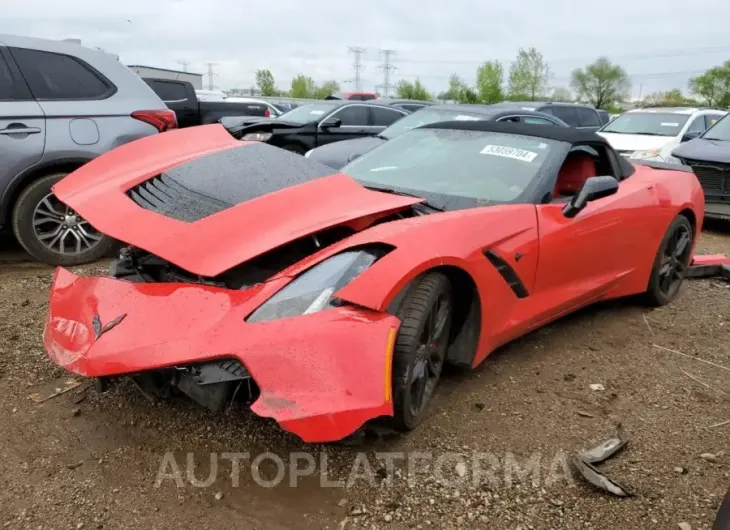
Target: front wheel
[51, 231]
[671, 262]
[420, 348]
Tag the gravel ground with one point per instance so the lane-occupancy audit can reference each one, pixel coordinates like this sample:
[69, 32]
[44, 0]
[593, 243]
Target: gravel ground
[492, 454]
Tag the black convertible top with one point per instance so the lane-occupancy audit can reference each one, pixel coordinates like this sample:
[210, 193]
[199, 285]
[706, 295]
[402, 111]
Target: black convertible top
[569, 135]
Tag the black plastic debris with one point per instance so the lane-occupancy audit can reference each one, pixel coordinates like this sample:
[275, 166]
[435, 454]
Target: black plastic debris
[584, 463]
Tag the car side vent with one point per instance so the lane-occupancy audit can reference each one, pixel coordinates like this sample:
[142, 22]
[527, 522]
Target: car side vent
[166, 197]
[508, 273]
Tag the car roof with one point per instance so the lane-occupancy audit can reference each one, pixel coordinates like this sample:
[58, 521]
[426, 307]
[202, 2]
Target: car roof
[58, 46]
[561, 134]
[396, 101]
[535, 104]
[674, 110]
[493, 111]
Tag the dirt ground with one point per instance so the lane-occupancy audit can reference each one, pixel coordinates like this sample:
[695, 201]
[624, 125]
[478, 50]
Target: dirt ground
[88, 460]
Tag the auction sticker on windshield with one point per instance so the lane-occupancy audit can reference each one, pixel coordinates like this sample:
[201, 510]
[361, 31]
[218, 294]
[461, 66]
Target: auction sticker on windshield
[509, 152]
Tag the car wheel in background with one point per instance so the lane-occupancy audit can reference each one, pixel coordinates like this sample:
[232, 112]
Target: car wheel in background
[420, 348]
[53, 233]
[671, 262]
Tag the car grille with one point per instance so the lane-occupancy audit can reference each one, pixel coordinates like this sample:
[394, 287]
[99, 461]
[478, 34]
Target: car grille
[713, 177]
[163, 195]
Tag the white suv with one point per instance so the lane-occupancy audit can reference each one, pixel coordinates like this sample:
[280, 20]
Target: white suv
[652, 133]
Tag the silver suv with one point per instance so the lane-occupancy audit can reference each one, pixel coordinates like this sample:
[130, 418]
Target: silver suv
[61, 105]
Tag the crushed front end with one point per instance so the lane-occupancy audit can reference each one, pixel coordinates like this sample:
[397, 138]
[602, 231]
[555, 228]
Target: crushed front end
[320, 373]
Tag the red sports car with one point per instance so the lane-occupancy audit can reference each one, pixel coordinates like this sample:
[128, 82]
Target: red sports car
[327, 300]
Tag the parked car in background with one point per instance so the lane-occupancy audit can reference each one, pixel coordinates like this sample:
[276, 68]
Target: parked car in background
[337, 155]
[411, 105]
[181, 97]
[62, 105]
[354, 96]
[605, 116]
[310, 126]
[274, 111]
[210, 95]
[652, 133]
[709, 157]
[584, 117]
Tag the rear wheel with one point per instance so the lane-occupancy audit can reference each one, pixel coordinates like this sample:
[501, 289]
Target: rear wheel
[420, 348]
[51, 231]
[671, 262]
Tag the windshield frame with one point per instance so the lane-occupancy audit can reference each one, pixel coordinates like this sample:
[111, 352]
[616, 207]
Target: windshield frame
[705, 134]
[327, 107]
[681, 118]
[541, 183]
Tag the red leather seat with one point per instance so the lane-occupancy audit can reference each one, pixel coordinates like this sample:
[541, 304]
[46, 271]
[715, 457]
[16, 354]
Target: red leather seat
[577, 168]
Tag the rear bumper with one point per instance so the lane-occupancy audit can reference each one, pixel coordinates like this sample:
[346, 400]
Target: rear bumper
[321, 376]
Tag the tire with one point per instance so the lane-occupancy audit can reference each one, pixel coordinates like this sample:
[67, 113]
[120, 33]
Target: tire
[671, 262]
[24, 214]
[294, 148]
[411, 393]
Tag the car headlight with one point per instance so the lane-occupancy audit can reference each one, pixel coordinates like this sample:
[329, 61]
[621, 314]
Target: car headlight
[256, 137]
[672, 160]
[643, 155]
[312, 291]
[306, 155]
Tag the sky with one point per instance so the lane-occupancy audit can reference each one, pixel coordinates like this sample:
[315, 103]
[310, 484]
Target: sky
[660, 47]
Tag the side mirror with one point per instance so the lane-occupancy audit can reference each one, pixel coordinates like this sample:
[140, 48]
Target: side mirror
[594, 188]
[690, 135]
[330, 122]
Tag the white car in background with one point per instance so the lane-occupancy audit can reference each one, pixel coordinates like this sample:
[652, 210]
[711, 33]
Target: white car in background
[653, 133]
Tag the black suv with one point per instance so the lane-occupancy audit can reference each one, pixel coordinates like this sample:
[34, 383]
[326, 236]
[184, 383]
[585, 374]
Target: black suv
[576, 115]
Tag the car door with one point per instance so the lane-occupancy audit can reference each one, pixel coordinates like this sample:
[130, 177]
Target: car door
[354, 123]
[567, 113]
[22, 124]
[382, 117]
[584, 257]
[588, 119]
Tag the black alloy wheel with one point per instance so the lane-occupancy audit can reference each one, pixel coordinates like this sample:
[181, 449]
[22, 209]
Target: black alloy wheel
[671, 262]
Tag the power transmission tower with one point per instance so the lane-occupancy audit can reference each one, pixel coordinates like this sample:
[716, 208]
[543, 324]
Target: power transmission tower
[184, 65]
[357, 65]
[211, 75]
[387, 67]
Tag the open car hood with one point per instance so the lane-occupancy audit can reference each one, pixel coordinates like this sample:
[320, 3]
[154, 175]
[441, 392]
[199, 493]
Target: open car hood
[206, 202]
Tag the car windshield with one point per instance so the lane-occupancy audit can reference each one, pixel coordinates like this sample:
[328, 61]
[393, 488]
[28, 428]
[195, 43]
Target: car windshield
[308, 113]
[428, 115]
[719, 131]
[648, 123]
[454, 169]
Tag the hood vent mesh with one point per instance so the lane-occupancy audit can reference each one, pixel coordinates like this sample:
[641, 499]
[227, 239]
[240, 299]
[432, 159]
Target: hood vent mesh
[166, 197]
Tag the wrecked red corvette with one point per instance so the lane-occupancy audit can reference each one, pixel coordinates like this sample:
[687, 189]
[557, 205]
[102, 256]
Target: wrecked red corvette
[327, 300]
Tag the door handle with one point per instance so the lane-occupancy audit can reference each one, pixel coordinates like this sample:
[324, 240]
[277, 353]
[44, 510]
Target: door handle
[20, 130]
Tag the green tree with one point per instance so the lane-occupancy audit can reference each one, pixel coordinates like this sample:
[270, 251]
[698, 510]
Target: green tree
[670, 98]
[528, 75]
[468, 95]
[265, 82]
[490, 77]
[302, 86]
[713, 86]
[415, 90]
[562, 94]
[326, 89]
[602, 83]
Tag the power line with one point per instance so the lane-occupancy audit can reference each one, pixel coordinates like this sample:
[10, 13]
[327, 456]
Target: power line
[387, 67]
[357, 65]
[211, 75]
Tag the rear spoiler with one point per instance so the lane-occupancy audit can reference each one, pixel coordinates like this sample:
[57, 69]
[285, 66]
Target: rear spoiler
[663, 165]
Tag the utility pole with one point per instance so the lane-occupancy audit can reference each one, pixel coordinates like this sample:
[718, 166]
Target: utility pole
[357, 66]
[184, 65]
[211, 75]
[387, 67]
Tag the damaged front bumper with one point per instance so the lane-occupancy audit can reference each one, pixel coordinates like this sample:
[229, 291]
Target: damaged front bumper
[320, 376]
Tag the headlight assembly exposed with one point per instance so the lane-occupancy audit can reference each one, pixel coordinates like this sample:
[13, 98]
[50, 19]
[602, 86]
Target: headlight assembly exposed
[312, 291]
[256, 137]
[644, 155]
